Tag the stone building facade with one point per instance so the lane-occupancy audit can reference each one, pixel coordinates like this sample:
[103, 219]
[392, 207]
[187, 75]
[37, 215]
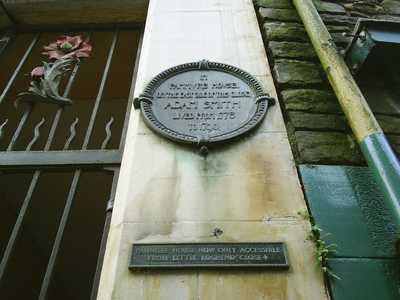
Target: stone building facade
[313, 116]
[324, 147]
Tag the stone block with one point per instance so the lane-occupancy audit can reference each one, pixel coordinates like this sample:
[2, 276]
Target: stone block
[274, 3]
[394, 141]
[327, 148]
[277, 14]
[387, 18]
[364, 7]
[322, 6]
[381, 96]
[391, 6]
[310, 100]
[306, 121]
[275, 31]
[292, 50]
[389, 124]
[340, 39]
[297, 73]
[338, 28]
[329, 7]
[338, 19]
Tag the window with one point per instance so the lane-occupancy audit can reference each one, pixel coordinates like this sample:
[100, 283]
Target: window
[59, 165]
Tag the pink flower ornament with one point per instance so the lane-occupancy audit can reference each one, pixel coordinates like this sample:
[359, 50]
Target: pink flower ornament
[45, 79]
[68, 47]
[37, 72]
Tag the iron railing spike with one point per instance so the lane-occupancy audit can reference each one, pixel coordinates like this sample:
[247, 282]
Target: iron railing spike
[36, 134]
[1, 128]
[108, 133]
[72, 134]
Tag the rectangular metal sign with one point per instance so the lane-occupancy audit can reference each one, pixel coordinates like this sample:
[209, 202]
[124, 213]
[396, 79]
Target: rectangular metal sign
[266, 255]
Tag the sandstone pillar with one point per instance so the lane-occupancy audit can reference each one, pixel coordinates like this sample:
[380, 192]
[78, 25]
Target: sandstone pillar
[249, 189]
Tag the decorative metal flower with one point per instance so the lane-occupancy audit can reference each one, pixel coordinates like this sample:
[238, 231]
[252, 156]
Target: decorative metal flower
[37, 72]
[68, 47]
[45, 79]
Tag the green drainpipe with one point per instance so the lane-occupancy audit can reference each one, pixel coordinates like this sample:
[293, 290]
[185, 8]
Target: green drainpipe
[374, 145]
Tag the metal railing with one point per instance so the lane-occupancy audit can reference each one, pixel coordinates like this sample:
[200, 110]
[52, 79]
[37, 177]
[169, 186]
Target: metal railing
[108, 159]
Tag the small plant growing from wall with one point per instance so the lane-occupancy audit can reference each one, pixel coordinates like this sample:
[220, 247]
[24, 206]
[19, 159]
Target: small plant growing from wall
[322, 249]
[45, 79]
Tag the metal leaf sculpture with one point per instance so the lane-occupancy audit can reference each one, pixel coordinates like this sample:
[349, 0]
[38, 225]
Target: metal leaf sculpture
[46, 88]
[45, 79]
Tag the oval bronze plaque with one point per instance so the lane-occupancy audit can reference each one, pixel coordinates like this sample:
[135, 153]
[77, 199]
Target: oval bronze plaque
[203, 102]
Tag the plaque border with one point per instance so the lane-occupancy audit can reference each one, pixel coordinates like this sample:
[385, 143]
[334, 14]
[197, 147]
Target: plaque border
[283, 266]
[144, 102]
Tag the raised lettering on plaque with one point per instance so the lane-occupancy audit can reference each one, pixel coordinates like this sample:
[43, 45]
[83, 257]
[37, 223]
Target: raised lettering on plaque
[264, 255]
[203, 102]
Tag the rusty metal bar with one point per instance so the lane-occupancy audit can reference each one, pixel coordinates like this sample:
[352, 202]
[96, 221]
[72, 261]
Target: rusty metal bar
[35, 178]
[55, 121]
[5, 40]
[18, 225]
[14, 159]
[103, 243]
[60, 233]
[21, 124]
[36, 134]
[18, 68]
[60, 110]
[100, 92]
[2, 125]
[100, 259]
[42, 159]
[108, 133]
[58, 114]
[17, 158]
[67, 209]
[72, 134]
[131, 92]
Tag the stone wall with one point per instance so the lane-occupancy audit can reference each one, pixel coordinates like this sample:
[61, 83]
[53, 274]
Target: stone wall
[317, 128]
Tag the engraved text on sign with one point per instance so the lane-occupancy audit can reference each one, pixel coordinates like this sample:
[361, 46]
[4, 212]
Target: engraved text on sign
[209, 254]
[203, 102]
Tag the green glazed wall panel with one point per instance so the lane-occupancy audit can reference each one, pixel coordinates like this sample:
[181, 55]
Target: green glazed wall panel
[365, 279]
[347, 205]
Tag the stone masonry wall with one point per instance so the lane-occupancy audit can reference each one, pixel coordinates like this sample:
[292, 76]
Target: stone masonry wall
[317, 128]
